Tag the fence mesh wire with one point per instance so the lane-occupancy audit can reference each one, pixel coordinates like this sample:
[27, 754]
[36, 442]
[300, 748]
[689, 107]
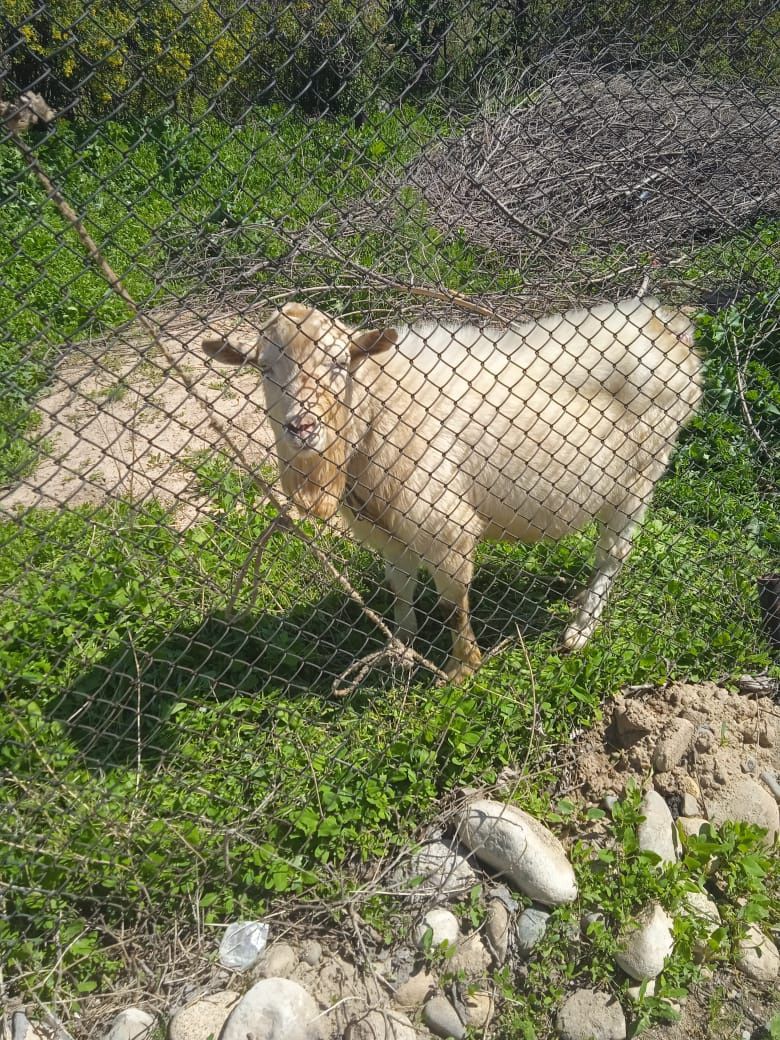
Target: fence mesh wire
[457, 252]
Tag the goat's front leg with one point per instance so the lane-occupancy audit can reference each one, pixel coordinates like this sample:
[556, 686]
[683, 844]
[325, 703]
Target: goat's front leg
[614, 545]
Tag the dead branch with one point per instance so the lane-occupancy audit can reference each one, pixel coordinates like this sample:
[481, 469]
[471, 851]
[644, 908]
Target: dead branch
[394, 646]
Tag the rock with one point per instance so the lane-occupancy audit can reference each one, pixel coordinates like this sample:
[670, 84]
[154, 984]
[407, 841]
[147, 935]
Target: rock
[522, 849]
[644, 949]
[769, 776]
[758, 957]
[676, 738]
[592, 918]
[692, 825]
[700, 906]
[500, 893]
[21, 1027]
[279, 962]
[748, 765]
[689, 806]
[202, 1018]
[274, 1009]
[588, 1014]
[442, 1019]
[743, 799]
[479, 1009]
[311, 952]
[635, 992]
[704, 739]
[531, 926]
[131, 1024]
[631, 720]
[416, 990]
[657, 833]
[441, 925]
[471, 957]
[242, 944]
[442, 869]
[498, 930]
[381, 1025]
[688, 785]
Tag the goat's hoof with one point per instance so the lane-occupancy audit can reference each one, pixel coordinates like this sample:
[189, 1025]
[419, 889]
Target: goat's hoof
[575, 638]
[457, 671]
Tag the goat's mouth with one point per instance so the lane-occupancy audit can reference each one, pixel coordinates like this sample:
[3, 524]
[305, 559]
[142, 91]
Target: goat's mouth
[304, 434]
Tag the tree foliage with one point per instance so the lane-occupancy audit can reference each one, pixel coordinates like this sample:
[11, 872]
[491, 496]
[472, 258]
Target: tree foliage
[191, 56]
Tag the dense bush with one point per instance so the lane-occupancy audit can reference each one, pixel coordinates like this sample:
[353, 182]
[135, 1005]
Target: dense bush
[344, 55]
[328, 54]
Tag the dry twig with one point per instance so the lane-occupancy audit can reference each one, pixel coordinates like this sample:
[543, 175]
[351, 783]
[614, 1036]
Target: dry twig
[394, 647]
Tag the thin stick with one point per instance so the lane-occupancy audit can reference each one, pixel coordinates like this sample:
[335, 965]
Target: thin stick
[395, 647]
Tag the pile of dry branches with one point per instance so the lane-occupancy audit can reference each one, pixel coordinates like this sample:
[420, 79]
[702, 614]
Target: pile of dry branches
[597, 175]
[634, 159]
[589, 186]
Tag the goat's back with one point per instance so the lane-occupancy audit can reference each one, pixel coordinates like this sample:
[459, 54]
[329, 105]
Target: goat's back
[562, 415]
[637, 351]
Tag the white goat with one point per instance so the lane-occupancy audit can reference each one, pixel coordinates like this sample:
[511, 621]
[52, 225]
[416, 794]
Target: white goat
[430, 438]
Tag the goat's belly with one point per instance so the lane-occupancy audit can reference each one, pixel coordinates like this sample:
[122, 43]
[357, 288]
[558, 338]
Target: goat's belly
[537, 510]
[514, 527]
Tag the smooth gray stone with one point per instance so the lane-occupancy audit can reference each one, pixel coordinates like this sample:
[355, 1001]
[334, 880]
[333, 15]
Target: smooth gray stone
[442, 1019]
[131, 1024]
[530, 929]
[274, 1009]
[521, 849]
[588, 1014]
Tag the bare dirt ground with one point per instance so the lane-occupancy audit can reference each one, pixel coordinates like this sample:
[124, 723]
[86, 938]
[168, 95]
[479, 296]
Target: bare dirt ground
[735, 742]
[116, 422]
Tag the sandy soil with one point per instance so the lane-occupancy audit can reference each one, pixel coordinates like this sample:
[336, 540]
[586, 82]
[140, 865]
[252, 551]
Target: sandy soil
[115, 422]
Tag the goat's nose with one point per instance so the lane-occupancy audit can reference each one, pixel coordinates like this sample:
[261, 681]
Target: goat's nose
[302, 426]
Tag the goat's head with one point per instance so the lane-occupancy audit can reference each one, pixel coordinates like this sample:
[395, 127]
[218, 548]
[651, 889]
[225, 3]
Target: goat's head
[308, 361]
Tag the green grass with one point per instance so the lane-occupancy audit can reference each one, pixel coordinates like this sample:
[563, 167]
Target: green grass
[157, 754]
[151, 192]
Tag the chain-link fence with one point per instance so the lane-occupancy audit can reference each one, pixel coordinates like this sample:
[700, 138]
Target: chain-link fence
[259, 622]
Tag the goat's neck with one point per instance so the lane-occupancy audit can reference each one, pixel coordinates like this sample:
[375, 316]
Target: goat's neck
[318, 485]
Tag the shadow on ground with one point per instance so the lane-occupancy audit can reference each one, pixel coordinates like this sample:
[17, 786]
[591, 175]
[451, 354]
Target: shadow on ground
[126, 707]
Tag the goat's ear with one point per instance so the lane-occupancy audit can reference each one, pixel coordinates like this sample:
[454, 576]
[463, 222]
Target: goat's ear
[219, 349]
[372, 343]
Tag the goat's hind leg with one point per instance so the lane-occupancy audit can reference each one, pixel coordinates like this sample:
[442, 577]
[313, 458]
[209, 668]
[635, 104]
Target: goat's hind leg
[616, 530]
[454, 595]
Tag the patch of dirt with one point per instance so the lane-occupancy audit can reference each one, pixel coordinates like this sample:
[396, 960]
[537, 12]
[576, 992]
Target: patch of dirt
[116, 422]
[727, 1007]
[732, 735]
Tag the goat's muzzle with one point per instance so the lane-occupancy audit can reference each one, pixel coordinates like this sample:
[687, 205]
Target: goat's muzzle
[303, 430]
